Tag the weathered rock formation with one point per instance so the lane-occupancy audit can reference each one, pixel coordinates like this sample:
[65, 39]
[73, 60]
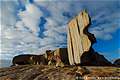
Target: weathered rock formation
[63, 53]
[59, 57]
[117, 62]
[29, 59]
[79, 39]
[78, 52]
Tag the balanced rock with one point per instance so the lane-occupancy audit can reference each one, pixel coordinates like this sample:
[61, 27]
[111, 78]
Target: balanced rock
[79, 39]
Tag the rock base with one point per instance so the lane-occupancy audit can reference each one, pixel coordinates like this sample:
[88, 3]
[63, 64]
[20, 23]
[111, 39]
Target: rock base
[42, 72]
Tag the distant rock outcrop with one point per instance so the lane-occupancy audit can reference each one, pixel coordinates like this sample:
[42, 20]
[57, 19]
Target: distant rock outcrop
[29, 59]
[117, 62]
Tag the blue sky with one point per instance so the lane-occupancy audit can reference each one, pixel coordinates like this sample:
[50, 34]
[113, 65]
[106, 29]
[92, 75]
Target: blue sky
[33, 26]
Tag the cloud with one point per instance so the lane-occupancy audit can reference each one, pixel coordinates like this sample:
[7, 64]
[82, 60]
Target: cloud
[102, 17]
[54, 34]
[8, 12]
[30, 18]
[19, 30]
[106, 22]
[6, 56]
[105, 29]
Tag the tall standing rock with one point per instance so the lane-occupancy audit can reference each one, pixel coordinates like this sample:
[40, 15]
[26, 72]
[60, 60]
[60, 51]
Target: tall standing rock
[78, 37]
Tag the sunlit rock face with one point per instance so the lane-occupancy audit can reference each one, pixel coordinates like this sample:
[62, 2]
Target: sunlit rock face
[63, 54]
[79, 39]
[59, 57]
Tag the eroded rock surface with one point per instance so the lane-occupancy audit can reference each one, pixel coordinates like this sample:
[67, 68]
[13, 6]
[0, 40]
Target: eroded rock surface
[58, 57]
[29, 59]
[42, 72]
[79, 39]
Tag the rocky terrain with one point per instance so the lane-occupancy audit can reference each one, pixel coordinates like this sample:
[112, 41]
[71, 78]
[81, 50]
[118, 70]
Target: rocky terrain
[79, 61]
[45, 72]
